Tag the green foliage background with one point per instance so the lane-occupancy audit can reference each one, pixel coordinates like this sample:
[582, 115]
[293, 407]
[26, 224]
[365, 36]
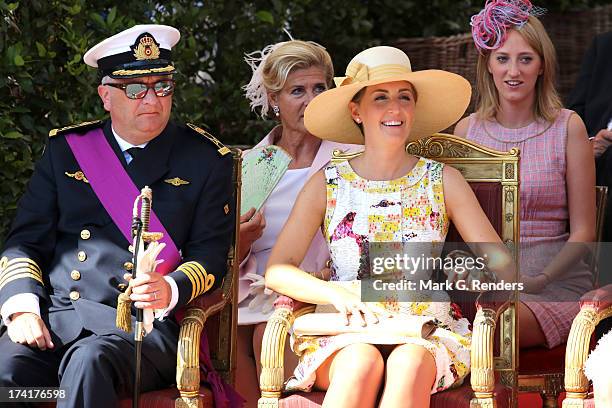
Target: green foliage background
[44, 83]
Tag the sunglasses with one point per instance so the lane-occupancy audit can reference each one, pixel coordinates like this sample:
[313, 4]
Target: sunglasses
[139, 90]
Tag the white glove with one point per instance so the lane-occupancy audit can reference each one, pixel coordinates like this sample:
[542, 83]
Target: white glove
[263, 298]
[147, 262]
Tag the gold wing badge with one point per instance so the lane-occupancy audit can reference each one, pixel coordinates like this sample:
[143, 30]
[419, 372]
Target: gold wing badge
[176, 182]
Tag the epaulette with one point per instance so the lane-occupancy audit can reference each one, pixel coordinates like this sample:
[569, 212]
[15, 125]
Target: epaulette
[78, 127]
[221, 148]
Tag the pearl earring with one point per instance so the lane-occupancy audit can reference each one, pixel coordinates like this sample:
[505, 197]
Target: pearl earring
[276, 111]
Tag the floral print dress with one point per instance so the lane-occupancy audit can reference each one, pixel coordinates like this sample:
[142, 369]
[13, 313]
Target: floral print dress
[359, 212]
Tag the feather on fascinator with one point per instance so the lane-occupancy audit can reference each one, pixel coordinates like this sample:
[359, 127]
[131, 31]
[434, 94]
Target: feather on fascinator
[490, 25]
[255, 91]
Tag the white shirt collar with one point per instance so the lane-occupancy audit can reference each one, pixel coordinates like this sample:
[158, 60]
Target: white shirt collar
[124, 145]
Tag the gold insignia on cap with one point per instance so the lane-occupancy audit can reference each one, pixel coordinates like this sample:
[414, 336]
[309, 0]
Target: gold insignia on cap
[146, 49]
[226, 209]
[177, 181]
[78, 176]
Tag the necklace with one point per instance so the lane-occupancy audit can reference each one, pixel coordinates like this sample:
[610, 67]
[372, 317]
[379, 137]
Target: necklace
[484, 125]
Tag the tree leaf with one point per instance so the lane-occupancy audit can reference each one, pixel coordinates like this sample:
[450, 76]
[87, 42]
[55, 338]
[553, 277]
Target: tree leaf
[18, 60]
[112, 15]
[42, 51]
[265, 16]
[12, 135]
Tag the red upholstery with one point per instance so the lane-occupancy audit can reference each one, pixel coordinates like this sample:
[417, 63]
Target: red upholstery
[490, 199]
[489, 196]
[460, 397]
[456, 398]
[165, 399]
[157, 399]
[541, 360]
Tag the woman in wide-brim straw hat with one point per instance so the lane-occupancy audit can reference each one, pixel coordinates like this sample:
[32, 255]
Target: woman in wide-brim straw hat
[383, 195]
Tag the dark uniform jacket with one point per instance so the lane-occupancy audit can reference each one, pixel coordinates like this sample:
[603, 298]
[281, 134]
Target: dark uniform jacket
[65, 248]
[591, 97]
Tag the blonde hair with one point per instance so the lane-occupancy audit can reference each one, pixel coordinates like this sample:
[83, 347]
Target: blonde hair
[547, 103]
[274, 63]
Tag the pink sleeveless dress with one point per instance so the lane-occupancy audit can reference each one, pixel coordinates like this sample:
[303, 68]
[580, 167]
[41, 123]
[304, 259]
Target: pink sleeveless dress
[544, 222]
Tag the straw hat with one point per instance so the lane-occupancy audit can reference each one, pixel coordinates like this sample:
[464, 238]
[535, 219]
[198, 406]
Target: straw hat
[442, 97]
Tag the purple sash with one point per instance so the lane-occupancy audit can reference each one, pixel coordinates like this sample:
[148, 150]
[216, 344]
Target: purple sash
[117, 192]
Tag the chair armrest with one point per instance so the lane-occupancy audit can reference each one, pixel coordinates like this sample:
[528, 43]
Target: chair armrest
[273, 348]
[481, 355]
[188, 351]
[594, 306]
[489, 306]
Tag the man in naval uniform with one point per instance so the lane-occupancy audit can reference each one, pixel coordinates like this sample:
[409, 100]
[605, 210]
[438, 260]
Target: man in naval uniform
[64, 261]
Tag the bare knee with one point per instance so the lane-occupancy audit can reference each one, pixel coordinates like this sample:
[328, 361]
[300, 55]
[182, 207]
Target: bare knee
[411, 373]
[412, 360]
[354, 364]
[358, 361]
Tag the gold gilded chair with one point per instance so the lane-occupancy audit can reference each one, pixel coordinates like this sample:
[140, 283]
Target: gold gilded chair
[542, 370]
[494, 177]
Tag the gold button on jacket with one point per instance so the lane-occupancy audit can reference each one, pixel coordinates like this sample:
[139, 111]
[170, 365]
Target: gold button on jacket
[85, 234]
[74, 295]
[75, 275]
[82, 256]
[128, 266]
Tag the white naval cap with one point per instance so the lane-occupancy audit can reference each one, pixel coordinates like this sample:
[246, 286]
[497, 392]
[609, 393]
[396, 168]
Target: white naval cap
[142, 50]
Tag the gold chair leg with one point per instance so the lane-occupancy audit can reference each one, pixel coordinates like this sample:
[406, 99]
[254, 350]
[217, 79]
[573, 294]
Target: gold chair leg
[188, 360]
[482, 379]
[270, 401]
[184, 402]
[574, 400]
[483, 400]
[272, 357]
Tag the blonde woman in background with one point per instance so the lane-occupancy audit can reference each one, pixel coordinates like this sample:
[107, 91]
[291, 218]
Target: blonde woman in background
[286, 77]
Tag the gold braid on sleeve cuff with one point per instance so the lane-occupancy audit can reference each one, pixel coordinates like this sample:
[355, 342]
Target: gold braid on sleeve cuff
[201, 281]
[18, 268]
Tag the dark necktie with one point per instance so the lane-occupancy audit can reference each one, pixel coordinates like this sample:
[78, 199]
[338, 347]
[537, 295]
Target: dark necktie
[134, 152]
